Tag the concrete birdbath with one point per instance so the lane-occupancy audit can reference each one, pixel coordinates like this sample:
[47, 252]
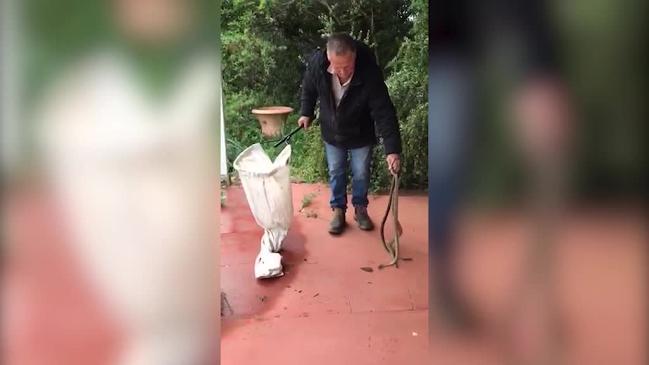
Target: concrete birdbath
[271, 119]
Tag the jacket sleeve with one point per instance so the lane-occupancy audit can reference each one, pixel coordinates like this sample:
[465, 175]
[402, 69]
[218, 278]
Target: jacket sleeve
[309, 94]
[384, 115]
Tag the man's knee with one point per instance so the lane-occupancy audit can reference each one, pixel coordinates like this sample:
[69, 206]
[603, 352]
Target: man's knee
[337, 168]
[360, 170]
[360, 174]
[361, 165]
[336, 161]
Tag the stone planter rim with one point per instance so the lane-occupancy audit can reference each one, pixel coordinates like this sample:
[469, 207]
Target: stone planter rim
[272, 110]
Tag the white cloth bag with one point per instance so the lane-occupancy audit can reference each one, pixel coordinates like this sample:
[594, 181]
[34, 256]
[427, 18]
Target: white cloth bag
[268, 190]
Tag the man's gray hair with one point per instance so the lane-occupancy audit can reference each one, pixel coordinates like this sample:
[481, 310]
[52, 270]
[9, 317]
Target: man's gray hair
[341, 43]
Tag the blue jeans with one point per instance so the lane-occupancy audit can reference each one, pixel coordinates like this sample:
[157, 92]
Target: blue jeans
[337, 164]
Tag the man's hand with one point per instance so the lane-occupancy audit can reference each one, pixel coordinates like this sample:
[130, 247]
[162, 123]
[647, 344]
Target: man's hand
[394, 163]
[304, 122]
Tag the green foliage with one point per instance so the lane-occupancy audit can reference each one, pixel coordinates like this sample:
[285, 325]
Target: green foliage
[408, 85]
[265, 44]
[309, 163]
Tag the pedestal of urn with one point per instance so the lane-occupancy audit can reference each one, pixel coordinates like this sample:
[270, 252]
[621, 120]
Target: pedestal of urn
[271, 119]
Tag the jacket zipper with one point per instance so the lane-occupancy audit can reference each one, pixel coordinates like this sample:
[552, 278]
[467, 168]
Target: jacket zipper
[345, 95]
[331, 100]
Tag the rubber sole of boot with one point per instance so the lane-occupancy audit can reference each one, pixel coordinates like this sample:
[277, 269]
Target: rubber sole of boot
[337, 232]
[370, 228]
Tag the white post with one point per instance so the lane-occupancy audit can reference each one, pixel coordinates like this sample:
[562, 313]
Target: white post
[224, 160]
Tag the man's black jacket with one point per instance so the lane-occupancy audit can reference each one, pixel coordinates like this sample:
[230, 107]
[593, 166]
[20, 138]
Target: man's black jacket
[365, 104]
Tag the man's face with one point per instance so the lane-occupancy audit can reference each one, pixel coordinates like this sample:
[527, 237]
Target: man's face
[342, 65]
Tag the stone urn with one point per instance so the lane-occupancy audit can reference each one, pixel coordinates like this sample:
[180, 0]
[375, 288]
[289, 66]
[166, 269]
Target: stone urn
[271, 119]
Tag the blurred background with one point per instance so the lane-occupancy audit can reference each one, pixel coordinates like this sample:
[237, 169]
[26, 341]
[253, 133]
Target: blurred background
[110, 127]
[537, 182]
[598, 47]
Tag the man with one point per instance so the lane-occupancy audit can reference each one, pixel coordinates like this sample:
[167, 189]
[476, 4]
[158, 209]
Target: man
[354, 105]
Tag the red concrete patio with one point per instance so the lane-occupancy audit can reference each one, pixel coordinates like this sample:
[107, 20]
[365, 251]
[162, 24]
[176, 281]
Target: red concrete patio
[326, 309]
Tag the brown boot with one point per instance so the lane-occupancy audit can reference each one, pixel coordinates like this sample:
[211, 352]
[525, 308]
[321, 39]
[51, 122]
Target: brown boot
[337, 225]
[363, 219]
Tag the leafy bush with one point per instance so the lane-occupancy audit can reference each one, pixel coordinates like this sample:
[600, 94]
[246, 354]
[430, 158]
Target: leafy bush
[264, 49]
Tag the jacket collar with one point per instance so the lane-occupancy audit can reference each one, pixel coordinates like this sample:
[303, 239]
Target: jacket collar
[357, 78]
